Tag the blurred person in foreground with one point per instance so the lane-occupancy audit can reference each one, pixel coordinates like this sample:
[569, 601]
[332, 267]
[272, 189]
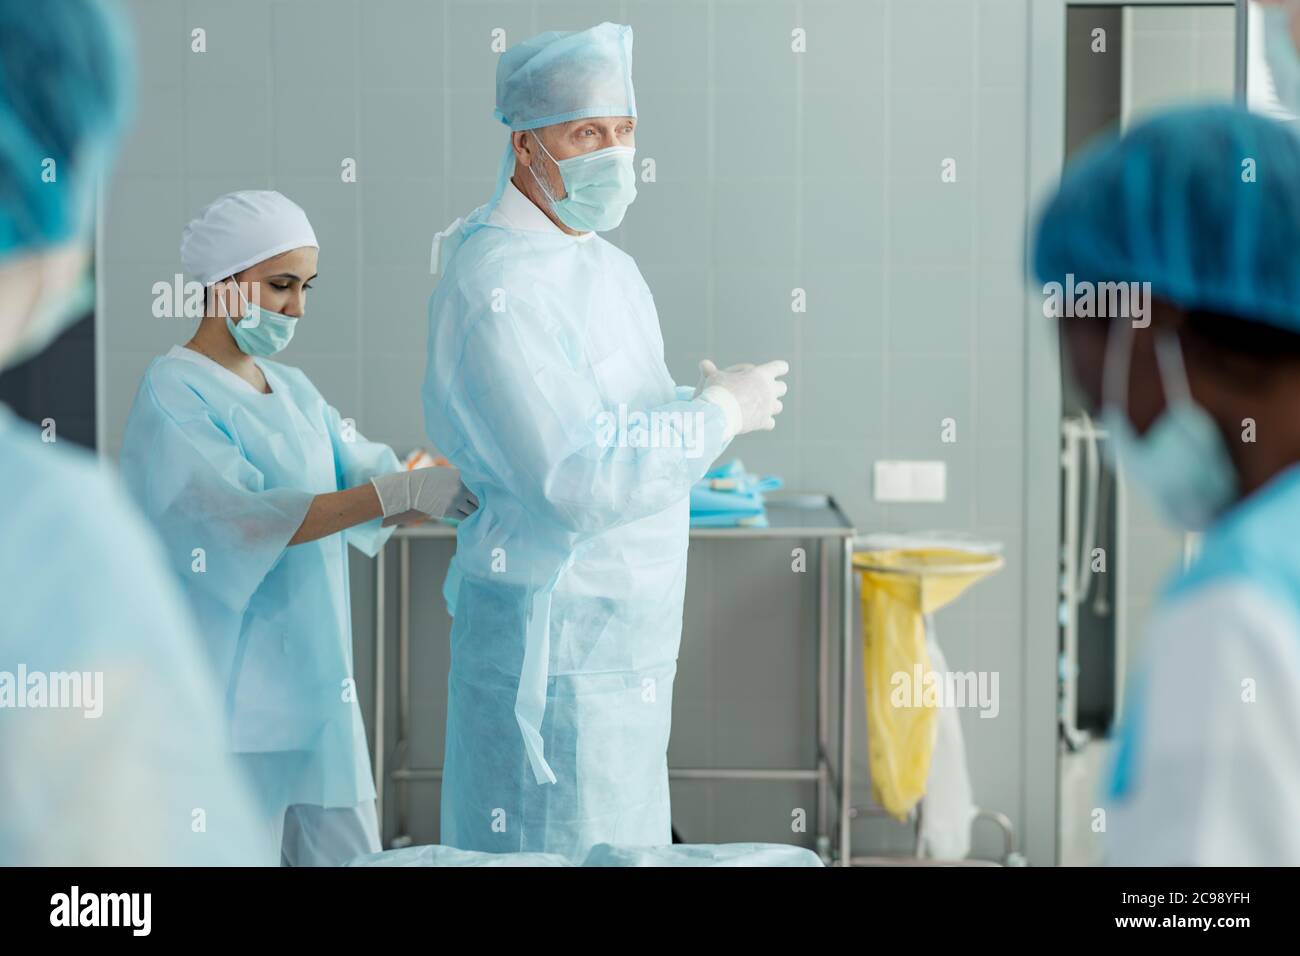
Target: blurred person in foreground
[1196, 214]
[111, 748]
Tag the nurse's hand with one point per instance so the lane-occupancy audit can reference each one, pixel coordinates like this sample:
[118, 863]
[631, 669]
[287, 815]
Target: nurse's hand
[424, 492]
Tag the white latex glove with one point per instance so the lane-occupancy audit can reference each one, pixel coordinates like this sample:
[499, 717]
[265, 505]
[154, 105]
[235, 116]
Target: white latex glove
[749, 394]
[423, 492]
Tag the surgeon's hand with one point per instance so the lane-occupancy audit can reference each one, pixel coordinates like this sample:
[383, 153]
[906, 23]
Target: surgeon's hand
[423, 492]
[749, 394]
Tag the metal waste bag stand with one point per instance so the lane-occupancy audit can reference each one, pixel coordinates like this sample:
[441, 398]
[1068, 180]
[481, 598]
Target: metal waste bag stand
[992, 561]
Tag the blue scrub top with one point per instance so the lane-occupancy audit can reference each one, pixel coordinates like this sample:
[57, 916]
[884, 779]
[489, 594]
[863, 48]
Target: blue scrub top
[226, 474]
[134, 772]
[1207, 771]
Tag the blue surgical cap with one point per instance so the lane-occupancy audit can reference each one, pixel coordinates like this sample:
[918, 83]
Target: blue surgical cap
[556, 77]
[1202, 202]
[64, 84]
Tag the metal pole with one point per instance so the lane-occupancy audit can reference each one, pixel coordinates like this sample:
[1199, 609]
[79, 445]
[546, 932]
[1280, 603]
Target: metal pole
[377, 723]
[743, 773]
[404, 683]
[1242, 44]
[823, 701]
[1068, 670]
[846, 704]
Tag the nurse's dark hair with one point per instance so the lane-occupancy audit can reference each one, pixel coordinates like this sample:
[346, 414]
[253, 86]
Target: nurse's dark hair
[1258, 342]
[207, 295]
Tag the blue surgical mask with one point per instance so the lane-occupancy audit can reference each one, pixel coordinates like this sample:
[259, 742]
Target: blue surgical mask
[1281, 56]
[1181, 461]
[598, 187]
[260, 332]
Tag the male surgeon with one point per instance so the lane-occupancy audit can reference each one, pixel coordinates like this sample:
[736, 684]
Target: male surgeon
[546, 387]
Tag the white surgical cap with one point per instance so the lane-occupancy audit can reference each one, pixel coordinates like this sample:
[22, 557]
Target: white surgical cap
[241, 229]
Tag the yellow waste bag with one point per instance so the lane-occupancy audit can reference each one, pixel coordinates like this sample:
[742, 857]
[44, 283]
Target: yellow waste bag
[899, 588]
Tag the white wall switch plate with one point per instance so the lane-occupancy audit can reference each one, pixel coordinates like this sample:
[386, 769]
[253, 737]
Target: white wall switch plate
[910, 481]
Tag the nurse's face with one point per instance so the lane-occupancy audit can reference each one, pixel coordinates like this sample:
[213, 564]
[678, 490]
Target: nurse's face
[278, 284]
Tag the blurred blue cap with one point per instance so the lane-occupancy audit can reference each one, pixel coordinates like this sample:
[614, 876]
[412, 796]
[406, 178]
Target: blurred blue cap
[65, 84]
[1203, 202]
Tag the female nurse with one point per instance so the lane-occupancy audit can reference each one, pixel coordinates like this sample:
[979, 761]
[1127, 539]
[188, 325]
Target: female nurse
[256, 486]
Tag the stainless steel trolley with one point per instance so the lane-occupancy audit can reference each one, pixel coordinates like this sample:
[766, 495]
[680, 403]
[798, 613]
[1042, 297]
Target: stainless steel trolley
[809, 517]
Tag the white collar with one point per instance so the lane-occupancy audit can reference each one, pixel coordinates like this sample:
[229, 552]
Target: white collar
[516, 211]
[198, 358]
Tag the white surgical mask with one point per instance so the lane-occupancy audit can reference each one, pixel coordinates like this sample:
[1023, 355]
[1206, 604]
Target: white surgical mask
[598, 187]
[261, 332]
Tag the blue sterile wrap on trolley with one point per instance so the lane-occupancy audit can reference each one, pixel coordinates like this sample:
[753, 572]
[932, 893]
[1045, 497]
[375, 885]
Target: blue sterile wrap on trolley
[730, 497]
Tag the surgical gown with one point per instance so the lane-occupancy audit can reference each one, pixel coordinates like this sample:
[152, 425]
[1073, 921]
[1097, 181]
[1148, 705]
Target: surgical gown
[226, 474]
[135, 775]
[569, 579]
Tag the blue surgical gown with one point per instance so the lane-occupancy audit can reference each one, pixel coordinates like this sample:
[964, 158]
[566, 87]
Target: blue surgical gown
[139, 776]
[226, 475]
[570, 577]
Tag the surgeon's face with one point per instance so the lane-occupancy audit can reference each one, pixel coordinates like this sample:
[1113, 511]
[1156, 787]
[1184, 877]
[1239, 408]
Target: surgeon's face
[278, 284]
[576, 137]
[566, 140]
